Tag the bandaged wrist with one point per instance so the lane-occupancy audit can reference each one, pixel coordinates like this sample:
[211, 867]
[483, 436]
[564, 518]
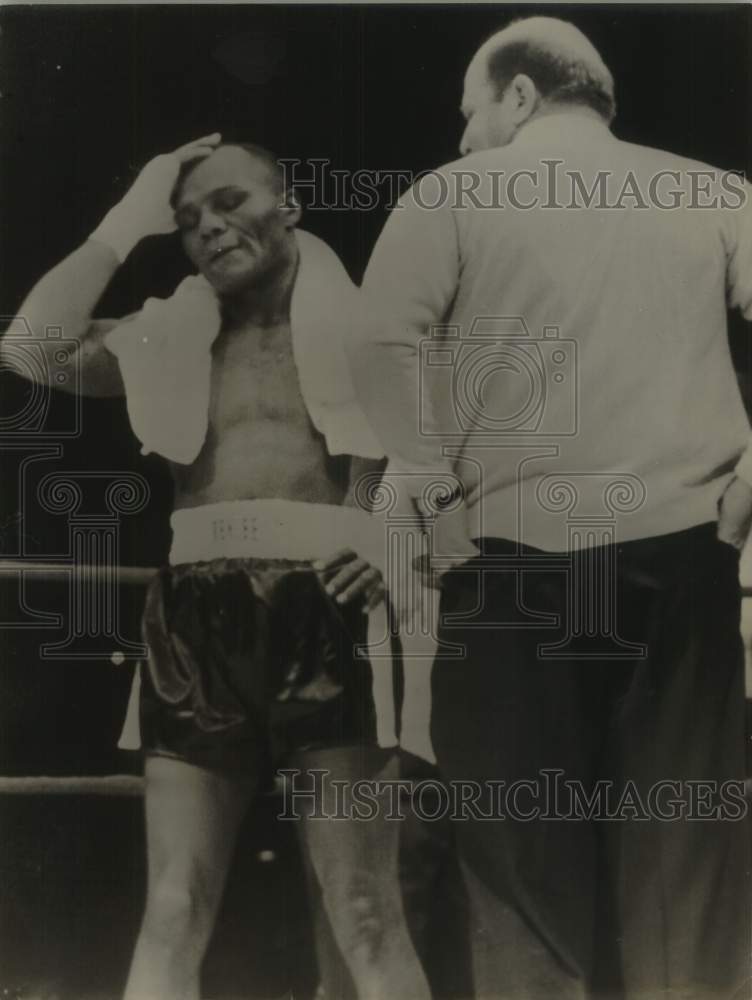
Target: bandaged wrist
[743, 468]
[118, 231]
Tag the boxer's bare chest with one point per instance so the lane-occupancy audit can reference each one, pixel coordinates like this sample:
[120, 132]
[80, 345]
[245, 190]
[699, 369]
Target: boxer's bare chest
[260, 440]
[254, 379]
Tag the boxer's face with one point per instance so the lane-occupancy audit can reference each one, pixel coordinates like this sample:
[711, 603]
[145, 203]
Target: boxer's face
[491, 121]
[232, 221]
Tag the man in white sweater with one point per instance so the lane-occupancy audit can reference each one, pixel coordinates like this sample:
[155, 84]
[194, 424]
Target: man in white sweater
[557, 340]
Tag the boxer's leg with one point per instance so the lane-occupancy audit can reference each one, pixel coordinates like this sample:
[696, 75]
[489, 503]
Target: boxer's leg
[192, 820]
[355, 864]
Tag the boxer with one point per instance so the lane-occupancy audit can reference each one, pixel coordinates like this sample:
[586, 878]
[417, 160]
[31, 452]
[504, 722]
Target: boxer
[239, 381]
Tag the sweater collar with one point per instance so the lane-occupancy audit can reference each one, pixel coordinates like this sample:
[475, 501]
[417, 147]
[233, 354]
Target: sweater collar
[572, 126]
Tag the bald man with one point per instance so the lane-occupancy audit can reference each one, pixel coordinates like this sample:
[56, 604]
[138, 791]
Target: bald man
[557, 340]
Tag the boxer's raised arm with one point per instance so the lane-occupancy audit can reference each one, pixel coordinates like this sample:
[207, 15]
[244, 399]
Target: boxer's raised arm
[67, 295]
[65, 298]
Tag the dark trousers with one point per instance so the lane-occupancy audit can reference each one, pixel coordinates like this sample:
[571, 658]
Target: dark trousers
[605, 890]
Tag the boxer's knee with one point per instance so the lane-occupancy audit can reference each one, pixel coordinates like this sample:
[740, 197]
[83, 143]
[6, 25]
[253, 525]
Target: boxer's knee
[179, 908]
[361, 912]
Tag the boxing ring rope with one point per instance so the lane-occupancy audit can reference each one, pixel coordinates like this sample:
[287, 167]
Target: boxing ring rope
[127, 785]
[110, 784]
[120, 785]
[135, 575]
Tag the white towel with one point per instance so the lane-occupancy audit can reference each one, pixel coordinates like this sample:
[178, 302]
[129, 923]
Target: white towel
[164, 354]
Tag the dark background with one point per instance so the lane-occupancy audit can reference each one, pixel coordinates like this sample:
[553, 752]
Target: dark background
[90, 94]
[87, 95]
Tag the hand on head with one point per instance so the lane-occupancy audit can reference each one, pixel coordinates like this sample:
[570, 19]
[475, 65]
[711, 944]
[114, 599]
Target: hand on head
[149, 197]
[146, 210]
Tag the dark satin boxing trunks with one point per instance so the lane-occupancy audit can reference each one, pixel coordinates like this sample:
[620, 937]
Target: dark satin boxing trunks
[250, 659]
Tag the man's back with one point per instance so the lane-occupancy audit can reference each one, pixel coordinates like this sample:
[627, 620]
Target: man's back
[621, 364]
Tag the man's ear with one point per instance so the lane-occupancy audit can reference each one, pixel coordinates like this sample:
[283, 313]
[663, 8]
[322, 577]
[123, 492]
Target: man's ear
[526, 97]
[290, 209]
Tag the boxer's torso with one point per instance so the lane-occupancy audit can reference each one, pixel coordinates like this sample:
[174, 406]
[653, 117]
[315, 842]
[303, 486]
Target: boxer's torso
[260, 441]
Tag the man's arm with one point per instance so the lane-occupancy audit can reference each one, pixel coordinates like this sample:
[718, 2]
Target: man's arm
[364, 475]
[735, 508]
[68, 294]
[409, 286]
[66, 297]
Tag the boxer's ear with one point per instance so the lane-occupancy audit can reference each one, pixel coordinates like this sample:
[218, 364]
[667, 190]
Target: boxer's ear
[290, 209]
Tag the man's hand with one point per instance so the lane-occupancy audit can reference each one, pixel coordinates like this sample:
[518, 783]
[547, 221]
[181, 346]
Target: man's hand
[145, 210]
[451, 544]
[735, 513]
[349, 578]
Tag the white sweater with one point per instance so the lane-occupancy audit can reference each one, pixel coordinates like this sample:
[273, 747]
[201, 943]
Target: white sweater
[620, 371]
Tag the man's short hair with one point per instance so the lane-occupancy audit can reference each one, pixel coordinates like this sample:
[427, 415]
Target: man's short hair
[558, 58]
[260, 153]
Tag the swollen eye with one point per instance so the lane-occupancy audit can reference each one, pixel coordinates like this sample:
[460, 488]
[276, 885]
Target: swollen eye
[186, 220]
[227, 201]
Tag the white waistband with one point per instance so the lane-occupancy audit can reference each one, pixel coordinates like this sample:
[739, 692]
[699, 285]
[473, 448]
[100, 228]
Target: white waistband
[273, 529]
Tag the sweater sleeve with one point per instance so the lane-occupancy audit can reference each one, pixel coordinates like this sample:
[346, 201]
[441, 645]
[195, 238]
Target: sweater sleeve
[410, 283]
